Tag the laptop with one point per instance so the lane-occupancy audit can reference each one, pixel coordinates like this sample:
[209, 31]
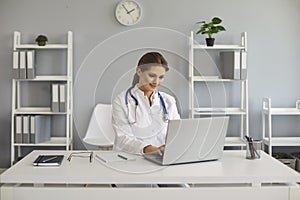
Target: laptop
[192, 140]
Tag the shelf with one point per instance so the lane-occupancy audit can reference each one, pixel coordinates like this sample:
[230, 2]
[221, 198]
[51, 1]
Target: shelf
[54, 141]
[239, 109]
[282, 111]
[46, 78]
[25, 117]
[219, 47]
[212, 79]
[234, 141]
[37, 110]
[283, 141]
[219, 111]
[48, 46]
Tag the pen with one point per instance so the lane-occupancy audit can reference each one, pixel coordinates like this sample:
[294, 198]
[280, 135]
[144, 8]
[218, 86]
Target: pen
[247, 138]
[91, 157]
[123, 157]
[52, 158]
[251, 146]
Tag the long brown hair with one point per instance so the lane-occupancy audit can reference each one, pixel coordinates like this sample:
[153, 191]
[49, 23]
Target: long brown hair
[148, 60]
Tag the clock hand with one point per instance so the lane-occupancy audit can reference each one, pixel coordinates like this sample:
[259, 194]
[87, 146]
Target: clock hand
[125, 8]
[131, 10]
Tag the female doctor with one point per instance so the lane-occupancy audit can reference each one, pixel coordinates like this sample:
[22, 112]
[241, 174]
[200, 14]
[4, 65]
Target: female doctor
[141, 113]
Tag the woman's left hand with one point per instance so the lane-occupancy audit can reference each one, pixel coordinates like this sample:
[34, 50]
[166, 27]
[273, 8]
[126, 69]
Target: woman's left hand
[162, 147]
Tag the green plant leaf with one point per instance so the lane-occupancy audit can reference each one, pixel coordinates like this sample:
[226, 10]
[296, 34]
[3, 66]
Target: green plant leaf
[199, 31]
[221, 28]
[202, 22]
[214, 31]
[210, 28]
[205, 26]
[216, 20]
[210, 24]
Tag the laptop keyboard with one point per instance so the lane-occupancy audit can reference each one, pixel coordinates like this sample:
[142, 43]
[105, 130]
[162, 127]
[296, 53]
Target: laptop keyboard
[155, 156]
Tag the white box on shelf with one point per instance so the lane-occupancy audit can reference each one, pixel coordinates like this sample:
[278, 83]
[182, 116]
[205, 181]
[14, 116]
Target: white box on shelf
[55, 98]
[16, 70]
[26, 139]
[243, 65]
[40, 129]
[18, 129]
[22, 64]
[30, 64]
[62, 98]
[233, 65]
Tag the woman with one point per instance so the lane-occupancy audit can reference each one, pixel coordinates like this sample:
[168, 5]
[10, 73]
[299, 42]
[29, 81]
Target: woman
[140, 114]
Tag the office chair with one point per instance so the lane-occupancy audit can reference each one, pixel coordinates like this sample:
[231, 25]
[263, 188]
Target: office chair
[100, 132]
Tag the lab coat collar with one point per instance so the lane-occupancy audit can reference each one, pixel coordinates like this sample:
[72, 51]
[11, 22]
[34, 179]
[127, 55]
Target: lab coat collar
[136, 90]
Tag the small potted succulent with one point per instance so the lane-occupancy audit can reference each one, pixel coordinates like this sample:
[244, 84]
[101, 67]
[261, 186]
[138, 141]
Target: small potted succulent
[210, 28]
[41, 40]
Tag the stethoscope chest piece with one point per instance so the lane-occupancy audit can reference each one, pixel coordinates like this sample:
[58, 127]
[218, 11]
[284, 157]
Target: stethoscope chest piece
[166, 118]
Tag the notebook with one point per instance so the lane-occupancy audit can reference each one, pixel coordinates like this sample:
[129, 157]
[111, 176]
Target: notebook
[192, 140]
[48, 160]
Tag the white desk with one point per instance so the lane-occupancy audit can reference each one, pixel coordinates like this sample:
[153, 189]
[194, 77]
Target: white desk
[233, 177]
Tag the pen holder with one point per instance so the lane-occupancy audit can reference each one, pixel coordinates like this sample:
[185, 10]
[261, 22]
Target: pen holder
[253, 149]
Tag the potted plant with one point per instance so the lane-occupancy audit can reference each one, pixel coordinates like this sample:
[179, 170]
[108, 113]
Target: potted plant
[41, 40]
[210, 28]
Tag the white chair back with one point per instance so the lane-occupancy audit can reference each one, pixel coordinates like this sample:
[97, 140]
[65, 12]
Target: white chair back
[100, 132]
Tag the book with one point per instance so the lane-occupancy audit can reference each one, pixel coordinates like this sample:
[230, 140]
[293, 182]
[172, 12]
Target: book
[22, 64]
[48, 160]
[15, 72]
[62, 98]
[30, 65]
[55, 98]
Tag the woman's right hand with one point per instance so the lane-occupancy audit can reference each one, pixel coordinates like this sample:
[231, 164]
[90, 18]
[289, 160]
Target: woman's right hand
[150, 148]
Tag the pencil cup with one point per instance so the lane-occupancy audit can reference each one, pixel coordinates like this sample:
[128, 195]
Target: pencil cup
[253, 149]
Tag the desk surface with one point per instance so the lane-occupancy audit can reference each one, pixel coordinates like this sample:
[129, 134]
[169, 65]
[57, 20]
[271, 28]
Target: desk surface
[232, 168]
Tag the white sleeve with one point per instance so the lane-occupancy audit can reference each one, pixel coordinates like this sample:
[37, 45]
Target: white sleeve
[124, 138]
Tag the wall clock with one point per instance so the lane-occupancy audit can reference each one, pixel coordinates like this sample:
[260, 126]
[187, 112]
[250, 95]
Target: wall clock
[128, 12]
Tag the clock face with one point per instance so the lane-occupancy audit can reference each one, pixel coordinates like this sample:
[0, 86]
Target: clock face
[128, 12]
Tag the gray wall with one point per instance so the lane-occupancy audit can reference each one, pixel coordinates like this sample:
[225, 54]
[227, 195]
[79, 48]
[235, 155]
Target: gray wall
[106, 52]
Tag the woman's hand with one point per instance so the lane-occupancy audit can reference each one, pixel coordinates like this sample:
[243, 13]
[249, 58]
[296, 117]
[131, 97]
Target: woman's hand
[150, 148]
[162, 147]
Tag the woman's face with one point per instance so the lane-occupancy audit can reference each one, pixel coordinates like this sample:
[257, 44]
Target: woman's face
[151, 79]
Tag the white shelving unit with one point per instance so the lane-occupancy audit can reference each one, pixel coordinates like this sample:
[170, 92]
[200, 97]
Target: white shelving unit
[267, 113]
[66, 78]
[241, 110]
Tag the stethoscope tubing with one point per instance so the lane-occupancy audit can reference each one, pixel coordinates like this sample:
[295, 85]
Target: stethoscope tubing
[165, 112]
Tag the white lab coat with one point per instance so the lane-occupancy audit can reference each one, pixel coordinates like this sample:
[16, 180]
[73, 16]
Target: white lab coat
[149, 127]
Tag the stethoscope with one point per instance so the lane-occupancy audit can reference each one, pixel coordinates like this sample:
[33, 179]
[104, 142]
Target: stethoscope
[165, 112]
